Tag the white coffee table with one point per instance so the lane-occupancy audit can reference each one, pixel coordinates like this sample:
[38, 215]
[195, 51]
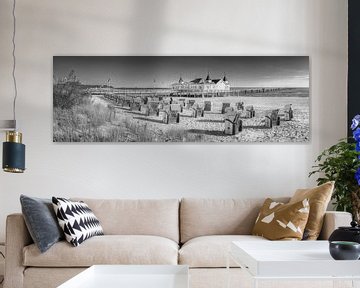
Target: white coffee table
[131, 276]
[297, 260]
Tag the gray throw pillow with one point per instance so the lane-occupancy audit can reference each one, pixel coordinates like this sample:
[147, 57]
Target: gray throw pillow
[41, 221]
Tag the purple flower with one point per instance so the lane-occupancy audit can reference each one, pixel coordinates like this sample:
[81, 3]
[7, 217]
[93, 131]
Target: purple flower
[356, 134]
[355, 122]
[357, 176]
[357, 147]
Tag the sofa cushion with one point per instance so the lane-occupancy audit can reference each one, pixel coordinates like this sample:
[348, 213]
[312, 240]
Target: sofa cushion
[107, 249]
[77, 220]
[200, 217]
[211, 251]
[319, 198]
[158, 217]
[41, 221]
[279, 221]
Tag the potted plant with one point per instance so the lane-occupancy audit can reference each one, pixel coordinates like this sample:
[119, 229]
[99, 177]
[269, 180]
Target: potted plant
[341, 163]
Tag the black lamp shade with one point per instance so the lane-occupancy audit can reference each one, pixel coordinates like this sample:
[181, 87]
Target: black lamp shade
[13, 157]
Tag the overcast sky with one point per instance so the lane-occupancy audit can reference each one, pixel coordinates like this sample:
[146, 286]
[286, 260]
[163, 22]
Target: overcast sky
[149, 71]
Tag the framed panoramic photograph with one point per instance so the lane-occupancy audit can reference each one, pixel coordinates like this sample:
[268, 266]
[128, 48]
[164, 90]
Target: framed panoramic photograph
[205, 99]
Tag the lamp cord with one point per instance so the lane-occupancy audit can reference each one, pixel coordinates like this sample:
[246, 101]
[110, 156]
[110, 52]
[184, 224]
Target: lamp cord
[2, 280]
[14, 58]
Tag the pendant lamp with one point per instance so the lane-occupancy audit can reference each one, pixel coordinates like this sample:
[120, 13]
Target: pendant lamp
[13, 159]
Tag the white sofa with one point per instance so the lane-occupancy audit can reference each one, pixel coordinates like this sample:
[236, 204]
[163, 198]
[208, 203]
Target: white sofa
[194, 232]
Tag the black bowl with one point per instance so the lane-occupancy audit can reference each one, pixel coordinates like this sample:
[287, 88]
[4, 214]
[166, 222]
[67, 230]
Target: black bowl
[344, 250]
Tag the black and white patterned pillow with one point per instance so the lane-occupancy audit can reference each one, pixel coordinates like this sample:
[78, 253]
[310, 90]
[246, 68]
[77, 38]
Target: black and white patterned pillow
[77, 220]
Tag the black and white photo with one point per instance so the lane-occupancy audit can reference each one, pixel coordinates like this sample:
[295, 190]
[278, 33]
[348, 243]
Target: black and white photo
[206, 99]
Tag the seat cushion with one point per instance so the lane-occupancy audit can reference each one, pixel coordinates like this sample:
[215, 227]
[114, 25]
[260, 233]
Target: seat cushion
[107, 249]
[211, 251]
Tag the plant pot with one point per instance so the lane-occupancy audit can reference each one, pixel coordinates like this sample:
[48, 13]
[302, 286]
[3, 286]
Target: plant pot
[344, 250]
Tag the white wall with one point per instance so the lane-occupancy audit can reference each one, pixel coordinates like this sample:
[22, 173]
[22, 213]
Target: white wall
[317, 28]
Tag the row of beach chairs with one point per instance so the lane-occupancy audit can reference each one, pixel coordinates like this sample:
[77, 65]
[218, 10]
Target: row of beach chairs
[169, 110]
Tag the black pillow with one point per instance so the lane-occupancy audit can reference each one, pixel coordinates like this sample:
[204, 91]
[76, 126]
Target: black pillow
[41, 221]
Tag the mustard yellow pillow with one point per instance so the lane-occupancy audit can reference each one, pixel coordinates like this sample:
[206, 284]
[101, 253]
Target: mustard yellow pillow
[279, 221]
[319, 198]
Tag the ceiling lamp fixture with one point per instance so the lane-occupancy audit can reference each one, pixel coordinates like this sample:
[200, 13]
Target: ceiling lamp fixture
[13, 149]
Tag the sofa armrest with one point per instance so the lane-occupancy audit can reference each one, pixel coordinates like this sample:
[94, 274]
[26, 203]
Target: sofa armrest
[332, 220]
[17, 237]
